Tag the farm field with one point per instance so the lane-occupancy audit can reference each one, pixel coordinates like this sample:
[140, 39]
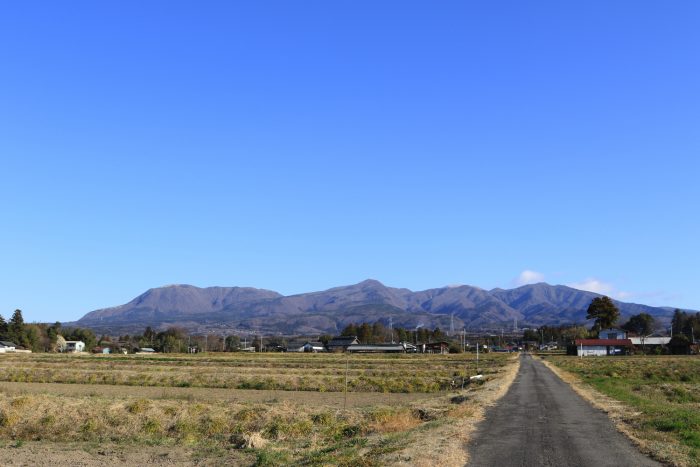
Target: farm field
[243, 409]
[660, 398]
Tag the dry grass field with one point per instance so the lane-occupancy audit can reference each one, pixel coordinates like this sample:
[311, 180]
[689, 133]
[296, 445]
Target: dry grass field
[653, 399]
[243, 409]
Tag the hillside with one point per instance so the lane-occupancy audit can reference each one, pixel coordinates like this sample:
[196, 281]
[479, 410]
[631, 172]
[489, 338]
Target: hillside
[250, 309]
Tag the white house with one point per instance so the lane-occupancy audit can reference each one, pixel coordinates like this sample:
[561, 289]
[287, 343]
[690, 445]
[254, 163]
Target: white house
[74, 346]
[6, 346]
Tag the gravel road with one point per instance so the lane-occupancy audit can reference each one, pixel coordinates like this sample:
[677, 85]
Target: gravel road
[541, 421]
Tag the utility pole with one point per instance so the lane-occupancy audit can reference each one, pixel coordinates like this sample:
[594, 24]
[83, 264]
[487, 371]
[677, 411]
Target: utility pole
[206, 341]
[391, 326]
[477, 356]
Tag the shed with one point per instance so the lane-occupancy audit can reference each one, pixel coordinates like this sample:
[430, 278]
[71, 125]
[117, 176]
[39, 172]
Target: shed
[441, 347]
[7, 346]
[653, 340]
[74, 346]
[295, 346]
[313, 347]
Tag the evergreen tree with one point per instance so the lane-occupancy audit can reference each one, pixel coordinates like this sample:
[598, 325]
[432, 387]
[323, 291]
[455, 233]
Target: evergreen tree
[604, 311]
[642, 324]
[16, 328]
[4, 328]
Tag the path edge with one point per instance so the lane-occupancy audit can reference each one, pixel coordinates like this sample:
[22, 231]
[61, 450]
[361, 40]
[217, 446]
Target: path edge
[487, 401]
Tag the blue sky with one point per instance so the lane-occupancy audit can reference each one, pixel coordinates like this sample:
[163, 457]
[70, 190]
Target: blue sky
[298, 146]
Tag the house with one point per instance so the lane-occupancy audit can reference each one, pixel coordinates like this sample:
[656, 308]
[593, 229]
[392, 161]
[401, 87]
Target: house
[602, 347]
[612, 334]
[376, 348]
[341, 343]
[74, 346]
[7, 346]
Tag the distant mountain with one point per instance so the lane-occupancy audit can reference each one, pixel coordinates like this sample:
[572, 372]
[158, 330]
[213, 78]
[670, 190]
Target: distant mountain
[250, 309]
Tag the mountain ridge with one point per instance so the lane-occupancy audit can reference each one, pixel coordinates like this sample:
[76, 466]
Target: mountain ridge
[250, 309]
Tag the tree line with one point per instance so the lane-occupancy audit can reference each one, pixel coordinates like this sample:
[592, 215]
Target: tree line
[378, 333]
[42, 337]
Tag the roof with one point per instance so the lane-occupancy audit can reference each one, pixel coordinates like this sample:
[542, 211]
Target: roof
[7, 344]
[376, 348]
[295, 344]
[342, 340]
[314, 344]
[613, 342]
[650, 340]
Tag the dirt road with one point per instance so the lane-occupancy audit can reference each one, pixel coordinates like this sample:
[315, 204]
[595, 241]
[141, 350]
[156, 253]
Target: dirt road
[541, 421]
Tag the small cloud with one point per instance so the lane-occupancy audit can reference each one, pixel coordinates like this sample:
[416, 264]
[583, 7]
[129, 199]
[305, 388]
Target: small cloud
[528, 277]
[600, 287]
[594, 285]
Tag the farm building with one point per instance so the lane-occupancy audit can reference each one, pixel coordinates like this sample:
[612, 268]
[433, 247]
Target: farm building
[146, 350]
[295, 346]
[341, 343]
[6, 346]
[653, 341]
[314, 347]
[305, 346]
[602, 347]
[376, 348]
[435, 347]
[74, 346]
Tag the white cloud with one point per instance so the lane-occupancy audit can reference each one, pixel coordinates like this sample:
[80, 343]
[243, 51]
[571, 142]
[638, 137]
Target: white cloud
[600, 287]
[528, 277]
[594, 285]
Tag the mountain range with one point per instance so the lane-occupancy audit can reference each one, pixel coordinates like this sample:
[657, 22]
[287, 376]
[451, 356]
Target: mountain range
[246, 309]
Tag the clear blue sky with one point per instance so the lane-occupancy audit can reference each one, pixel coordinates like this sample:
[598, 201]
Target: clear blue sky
[298, 146]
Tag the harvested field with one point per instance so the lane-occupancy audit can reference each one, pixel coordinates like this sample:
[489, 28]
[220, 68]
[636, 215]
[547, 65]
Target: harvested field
[153, 412]
[329, 399]
[655, 400]
[288, 372]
